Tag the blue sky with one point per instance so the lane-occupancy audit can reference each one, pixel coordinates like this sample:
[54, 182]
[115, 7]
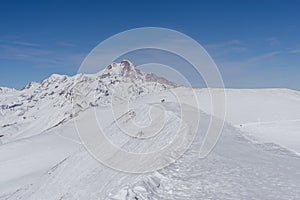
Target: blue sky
[255, 44]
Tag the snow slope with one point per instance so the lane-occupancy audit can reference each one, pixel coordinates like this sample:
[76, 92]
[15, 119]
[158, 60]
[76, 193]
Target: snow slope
[265, 115]
[285, 133]
[258, 105]
[43, 158]
[236, 169]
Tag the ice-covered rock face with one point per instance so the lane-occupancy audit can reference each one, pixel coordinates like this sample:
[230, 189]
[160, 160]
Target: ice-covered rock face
[64, 96]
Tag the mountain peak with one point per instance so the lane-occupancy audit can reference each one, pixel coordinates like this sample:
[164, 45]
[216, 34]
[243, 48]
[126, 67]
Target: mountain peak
[122, 64]
[126, 71]
[125, 68]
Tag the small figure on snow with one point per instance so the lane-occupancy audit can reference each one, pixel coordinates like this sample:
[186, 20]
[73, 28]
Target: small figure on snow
[140, 134]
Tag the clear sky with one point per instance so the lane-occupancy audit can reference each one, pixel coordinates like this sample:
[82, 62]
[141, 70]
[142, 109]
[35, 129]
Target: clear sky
[256, 44]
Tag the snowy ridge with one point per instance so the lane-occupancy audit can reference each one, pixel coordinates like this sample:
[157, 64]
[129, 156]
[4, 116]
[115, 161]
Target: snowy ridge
[236, 169]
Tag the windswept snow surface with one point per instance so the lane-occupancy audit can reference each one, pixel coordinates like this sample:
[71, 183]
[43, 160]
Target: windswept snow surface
[43, 158]
[264, 115]
[236, 169]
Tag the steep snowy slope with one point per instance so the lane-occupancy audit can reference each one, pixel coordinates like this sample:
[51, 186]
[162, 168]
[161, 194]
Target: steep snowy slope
[236, 169]
[23, 161]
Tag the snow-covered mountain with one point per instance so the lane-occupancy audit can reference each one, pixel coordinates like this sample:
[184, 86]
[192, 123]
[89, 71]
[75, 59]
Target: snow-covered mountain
[6, 91]
[43, 157]
[41, 106]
